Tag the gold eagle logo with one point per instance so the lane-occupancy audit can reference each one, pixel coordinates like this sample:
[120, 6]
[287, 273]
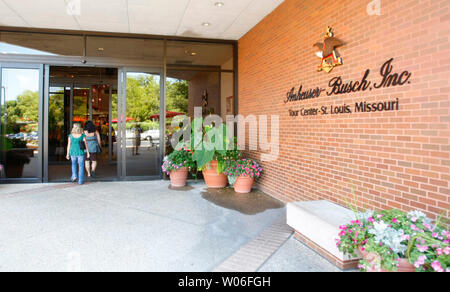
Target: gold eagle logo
[328, 55]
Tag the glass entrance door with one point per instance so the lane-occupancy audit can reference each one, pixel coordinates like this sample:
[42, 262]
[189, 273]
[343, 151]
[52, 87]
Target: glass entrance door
[21, 122]
[139, 124]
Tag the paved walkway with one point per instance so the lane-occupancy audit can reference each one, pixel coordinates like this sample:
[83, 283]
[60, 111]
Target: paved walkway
[135, 226]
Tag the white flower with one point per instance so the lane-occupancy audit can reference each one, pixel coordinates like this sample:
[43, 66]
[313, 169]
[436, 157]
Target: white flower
[389, 236]
[419, 215]
[365, 216]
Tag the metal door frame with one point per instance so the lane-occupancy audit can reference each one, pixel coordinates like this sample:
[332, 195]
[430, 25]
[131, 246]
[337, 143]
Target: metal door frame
[122, 114]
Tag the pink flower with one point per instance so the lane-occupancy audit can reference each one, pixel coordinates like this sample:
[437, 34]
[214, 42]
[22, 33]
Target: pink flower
[435, 235]
[422, 248]
[413, 219]
[428, 226]
[379, 216]
[439, 251]
[405, 237]
[420, 261]
[394, 220]
[343, 227]
[447, 250]
[437, 266]
[371, 220]
[413, 227]
[446, 233]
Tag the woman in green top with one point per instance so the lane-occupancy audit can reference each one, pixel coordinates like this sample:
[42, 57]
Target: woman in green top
[74, 152]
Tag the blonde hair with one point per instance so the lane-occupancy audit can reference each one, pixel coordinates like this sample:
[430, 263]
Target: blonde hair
[77, 129]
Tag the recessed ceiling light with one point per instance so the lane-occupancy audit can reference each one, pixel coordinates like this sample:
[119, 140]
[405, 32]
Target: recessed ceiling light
[219, 4]
[193, 54]
[101, 49]
[206, 24]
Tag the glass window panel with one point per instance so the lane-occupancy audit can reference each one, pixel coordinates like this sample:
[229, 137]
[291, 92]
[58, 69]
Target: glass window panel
[227, 94]
[57, 128]
[80, 112]
[126, 48]
[142, 123]
[200, 54]
[19, 104]
[40, 44]
[203, 90]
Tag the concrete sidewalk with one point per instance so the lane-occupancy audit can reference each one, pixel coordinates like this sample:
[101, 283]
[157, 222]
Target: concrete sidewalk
[127, 226]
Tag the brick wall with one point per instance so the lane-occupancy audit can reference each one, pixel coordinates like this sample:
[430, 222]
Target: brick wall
[397, 159]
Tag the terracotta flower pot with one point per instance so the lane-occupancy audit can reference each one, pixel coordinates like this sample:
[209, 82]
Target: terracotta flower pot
[372, 258]
[405, 266]
[212, 178]
[243, 184]
[178, 177]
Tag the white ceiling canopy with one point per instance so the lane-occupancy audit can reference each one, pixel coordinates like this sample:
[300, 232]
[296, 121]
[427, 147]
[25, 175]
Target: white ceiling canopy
[215, 19]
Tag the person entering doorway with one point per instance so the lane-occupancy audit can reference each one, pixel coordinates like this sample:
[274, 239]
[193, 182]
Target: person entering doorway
[75, 152]
[93, 141]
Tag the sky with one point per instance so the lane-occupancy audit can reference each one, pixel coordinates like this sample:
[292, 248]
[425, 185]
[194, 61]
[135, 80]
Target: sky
[16, 81]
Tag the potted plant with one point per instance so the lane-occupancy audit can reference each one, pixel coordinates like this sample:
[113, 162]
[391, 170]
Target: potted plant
[242, 174]
[177, 165]
[212, 151]
[392, 240]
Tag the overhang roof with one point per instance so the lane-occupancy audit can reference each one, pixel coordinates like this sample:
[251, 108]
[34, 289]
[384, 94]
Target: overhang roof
[182, 18]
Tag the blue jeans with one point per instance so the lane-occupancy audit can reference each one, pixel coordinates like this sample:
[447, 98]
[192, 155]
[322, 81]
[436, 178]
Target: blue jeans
[78, 161]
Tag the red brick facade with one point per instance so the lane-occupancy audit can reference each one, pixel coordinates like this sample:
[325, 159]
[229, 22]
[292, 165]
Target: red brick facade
[397, 159]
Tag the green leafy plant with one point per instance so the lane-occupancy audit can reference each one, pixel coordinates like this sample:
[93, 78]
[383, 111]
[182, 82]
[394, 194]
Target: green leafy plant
[15, 143]
[212, 143]
[178, 159]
